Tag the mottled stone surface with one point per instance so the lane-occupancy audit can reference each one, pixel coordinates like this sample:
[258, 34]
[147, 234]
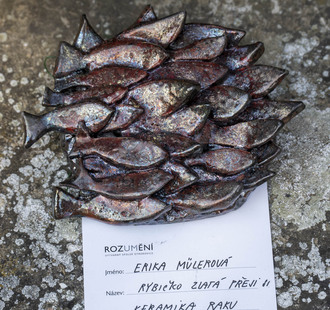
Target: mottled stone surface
[41, 260]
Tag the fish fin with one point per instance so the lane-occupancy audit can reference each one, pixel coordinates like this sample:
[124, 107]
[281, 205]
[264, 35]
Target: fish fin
[171, 27]
[34, 128]
[82, 131]
[81, 135]
[147, 15]
[64, 204]
[86, 38]
[51, 98]
[69, 59]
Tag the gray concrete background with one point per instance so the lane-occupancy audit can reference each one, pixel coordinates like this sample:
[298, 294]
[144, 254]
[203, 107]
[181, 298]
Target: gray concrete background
[41, 260]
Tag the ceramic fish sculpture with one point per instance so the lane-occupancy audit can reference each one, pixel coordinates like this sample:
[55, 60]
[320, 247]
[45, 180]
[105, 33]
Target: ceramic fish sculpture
[106, 94]
[140, 55]
[66, 119]
[127, 186]
[107, 209]
[165, 122]
[126, 152]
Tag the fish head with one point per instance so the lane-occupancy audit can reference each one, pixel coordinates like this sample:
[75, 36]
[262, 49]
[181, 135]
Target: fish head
[96, 115]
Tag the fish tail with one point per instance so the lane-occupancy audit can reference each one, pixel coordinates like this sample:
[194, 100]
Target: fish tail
[65, 83]
[69, 60]
[51, 98]
[65, 205]
[35, 128]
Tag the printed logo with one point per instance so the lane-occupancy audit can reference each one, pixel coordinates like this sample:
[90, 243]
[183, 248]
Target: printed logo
[129, 249]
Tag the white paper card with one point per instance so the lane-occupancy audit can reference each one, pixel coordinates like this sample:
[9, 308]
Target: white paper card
[223, 262]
